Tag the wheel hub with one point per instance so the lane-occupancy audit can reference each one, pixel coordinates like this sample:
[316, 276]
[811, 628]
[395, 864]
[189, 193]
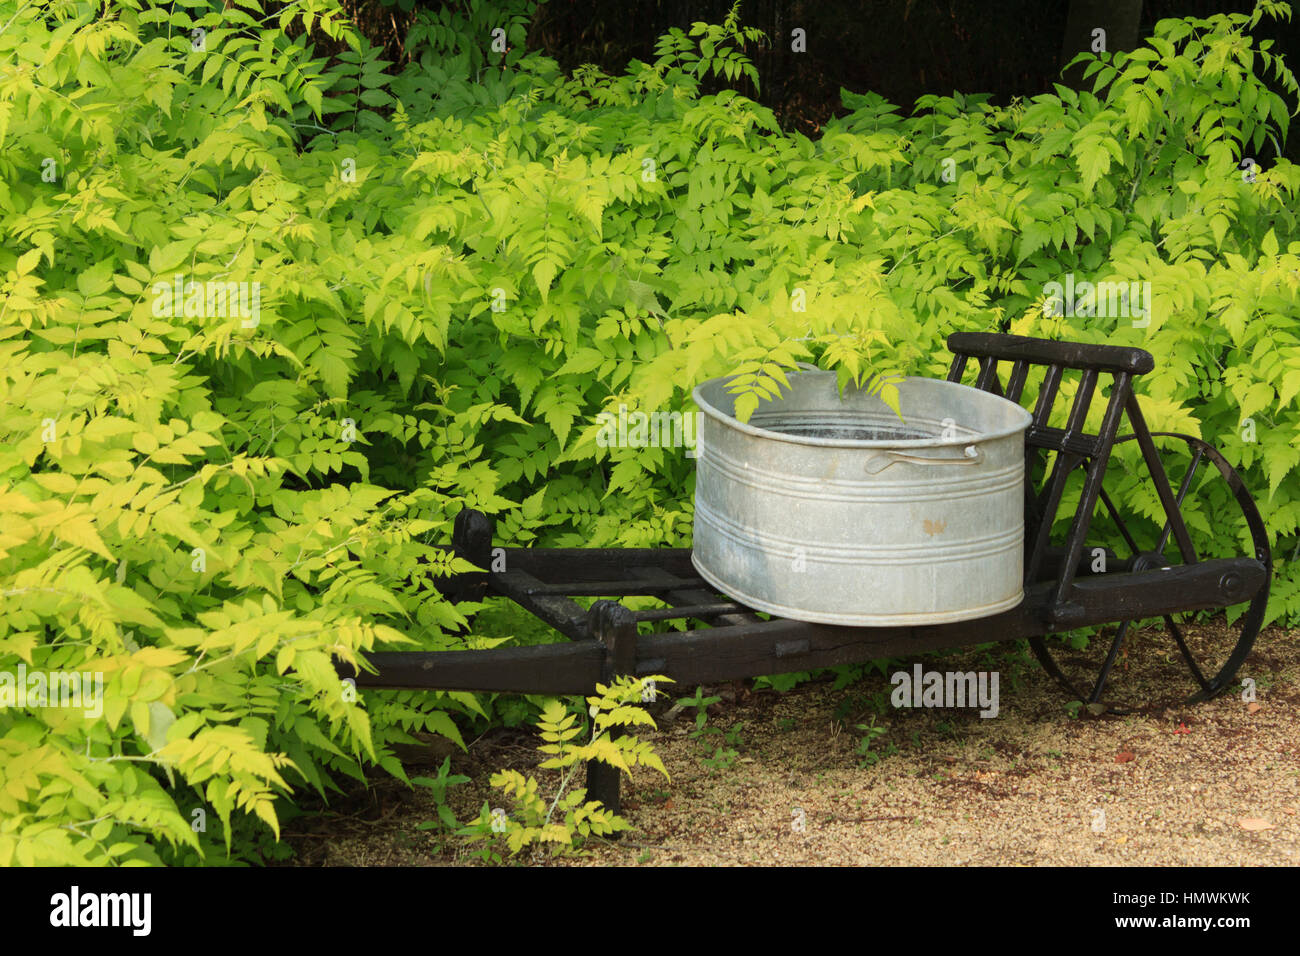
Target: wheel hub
[1148, 560]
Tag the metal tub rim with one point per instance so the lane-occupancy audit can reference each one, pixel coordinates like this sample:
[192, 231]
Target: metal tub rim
[1018, 412]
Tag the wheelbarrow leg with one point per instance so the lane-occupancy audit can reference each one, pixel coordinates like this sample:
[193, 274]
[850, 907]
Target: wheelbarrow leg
[471, 539]
[615, 626]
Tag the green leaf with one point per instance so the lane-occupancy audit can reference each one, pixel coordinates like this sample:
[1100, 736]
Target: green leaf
[543, 275]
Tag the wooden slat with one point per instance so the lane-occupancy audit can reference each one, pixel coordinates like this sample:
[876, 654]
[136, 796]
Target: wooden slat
[703, 612]
[1016, 382]
[1047, 396]
[615, 628]
[564, 668]
[1045, 512]
[988, 376]
[554, 565]
[779, 646]
[1077, 355]
[680, 596]
[566, 616]
[1095, 474]
[1059, 439]
[1220, 582]
[623, 588]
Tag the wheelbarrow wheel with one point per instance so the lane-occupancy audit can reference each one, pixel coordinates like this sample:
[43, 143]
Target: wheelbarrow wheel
[1198, 651]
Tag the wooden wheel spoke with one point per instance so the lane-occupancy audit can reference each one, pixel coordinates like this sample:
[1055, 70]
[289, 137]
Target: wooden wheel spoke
[1177, 635]
[1048, 662]
[1110, 662]
[1133, 549]
[1182, 493]
[1221, 653]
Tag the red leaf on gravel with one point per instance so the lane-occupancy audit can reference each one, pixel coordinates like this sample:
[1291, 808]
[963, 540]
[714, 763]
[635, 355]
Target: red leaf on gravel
[1124, 756]
[1252, 707]
[1183, 729]
[1254, 823]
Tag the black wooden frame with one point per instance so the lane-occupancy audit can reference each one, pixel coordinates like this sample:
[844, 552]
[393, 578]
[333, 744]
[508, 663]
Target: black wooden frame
[1061, 592]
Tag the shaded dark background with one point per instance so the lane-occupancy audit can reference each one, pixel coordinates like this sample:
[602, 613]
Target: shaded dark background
[900, 49]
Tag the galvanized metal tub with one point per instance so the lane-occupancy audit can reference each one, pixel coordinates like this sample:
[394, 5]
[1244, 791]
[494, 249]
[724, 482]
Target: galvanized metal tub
[836, 512]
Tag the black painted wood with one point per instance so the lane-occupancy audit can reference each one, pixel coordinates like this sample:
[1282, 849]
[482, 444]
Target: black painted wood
[696, 657]
[1016, 382]
[556, 565]
[1165, 493]
[742, 644]
[1059, 439]
[566, 668]
[1092, 482]
[987, 379]
[702, 612]
[615, 626]
[565, 615]
[623, 588]
[679, 596]
[471, 539]
[1076, 355]
[779, 646]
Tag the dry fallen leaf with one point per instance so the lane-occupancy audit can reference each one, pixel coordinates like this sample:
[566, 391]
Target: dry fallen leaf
[1254, 824]
[1252, 707]
[1289, 811]
[1124, 756]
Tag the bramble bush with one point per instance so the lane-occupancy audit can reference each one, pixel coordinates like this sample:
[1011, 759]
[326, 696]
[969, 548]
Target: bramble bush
[269, 319]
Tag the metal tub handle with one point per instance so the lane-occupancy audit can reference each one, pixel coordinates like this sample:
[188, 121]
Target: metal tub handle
[877, 463]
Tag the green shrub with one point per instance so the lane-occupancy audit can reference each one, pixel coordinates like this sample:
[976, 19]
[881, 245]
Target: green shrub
[565, 820]
[447, 272]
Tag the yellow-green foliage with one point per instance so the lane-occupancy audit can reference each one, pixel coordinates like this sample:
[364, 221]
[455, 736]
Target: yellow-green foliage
[462, 261]
[569, 815]
[171, 514]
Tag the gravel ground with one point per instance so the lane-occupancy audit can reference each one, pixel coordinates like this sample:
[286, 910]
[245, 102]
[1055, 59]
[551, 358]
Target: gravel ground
[1041, 783]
